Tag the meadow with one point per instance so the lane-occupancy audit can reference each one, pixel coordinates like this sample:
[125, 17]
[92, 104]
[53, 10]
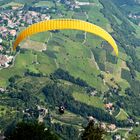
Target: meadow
[89, 100]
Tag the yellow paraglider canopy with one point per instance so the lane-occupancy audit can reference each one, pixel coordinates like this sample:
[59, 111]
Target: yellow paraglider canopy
[63, 24]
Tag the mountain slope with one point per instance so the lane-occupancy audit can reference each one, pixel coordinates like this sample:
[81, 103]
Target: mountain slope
[88, 66]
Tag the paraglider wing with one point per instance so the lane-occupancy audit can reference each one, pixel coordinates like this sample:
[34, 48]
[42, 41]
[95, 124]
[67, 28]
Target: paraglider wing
[63, 24]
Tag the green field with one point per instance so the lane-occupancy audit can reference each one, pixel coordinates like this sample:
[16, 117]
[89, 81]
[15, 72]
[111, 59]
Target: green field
[137, 28]
[89, 100]
[6, 110]
[67, 117]
[122, 115]
[19, 68]
[136, 130]
[12, 4]
[76, 58]
[25, 61]
[40, 37]
[49, 4]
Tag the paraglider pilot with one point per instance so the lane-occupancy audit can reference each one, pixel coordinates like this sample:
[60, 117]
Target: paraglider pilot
[61, 109]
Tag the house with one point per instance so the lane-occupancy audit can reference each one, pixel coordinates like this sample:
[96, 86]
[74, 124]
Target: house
[103, 125]
[137, 123]
[109, 106]
[4, 60]
[12, 26]
[0, 40]
[91, 119]
[131, 121]
[2, 90]
[15, 7]
[117, 137]
[42, 113]
[13, 32]
[112, 127]
[3, 29]
[93, 93]
[33, 13]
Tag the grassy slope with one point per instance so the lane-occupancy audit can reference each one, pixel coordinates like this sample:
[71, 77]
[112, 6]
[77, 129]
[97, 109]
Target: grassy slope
[90, 100]
[12, 4]
[44, 3]
[136, 130]
[77, 60]
[122, 115]
[23, 62]
[67, 118]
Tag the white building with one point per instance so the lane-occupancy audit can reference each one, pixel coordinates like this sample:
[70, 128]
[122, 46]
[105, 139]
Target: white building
[117, 137]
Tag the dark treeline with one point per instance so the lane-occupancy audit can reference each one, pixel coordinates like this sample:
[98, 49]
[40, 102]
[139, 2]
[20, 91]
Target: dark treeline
[62, 74]
[30, 73]
[66, 132]
[29, 131]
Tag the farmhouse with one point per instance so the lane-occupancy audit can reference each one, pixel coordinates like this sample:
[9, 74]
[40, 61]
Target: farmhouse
[3, 29]
[112, 127]
[108, 106]
[13, 32]
[2, 90]
[4, 60]
[117, 137]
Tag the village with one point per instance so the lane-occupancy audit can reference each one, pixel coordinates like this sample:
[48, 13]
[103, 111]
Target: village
[11, 22]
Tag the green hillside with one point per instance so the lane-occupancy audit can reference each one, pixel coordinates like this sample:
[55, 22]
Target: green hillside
[66, 67]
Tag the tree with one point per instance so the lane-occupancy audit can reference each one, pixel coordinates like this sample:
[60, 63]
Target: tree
[93, 132]
[30, 131]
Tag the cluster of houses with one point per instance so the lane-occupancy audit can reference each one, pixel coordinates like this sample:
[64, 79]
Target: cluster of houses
[108, 127]
[112, 128]
[11, 22]
[41, 111]
[5, 60]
